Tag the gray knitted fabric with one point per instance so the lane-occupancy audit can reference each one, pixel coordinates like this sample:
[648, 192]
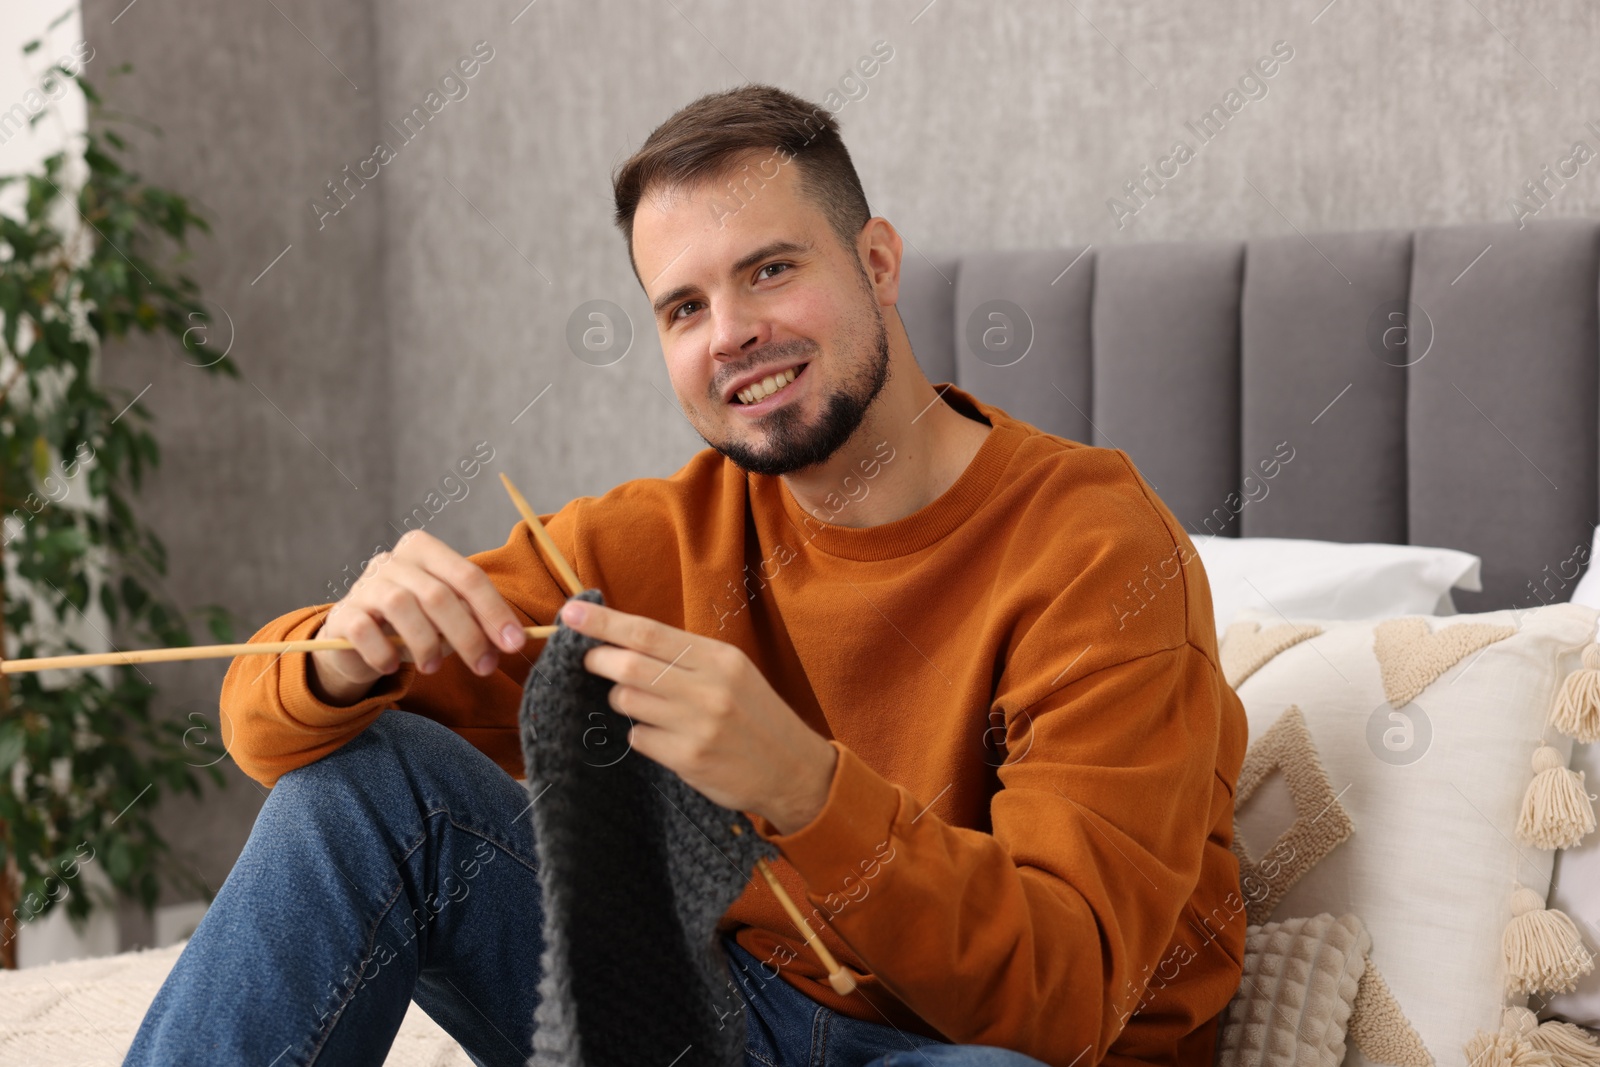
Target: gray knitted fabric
[636, 868]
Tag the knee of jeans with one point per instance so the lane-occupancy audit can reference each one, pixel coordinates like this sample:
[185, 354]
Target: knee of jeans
[377, 780]
[400, 750]
[373, 758]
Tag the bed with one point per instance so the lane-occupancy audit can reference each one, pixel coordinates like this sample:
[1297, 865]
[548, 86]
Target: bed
[1439, 387]
[1436, 387]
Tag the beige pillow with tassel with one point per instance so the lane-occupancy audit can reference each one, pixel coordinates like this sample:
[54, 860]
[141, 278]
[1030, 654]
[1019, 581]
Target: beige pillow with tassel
[1445, 760]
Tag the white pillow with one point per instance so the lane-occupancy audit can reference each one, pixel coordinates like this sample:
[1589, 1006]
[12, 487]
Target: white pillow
[1332, 579]
[1576, 891]
[1588, 590]
[1577, 876]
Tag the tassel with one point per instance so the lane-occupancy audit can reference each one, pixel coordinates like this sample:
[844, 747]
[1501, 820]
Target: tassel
[1565, 1044]
[1577, 709]
[1542, 949]
[1508, 1046]
[1556, 810]
[1568, 1045]
[1519, 1021]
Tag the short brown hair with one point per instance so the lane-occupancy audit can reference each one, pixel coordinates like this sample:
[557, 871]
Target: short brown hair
[704, 137]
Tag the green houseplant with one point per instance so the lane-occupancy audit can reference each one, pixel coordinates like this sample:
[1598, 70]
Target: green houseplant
[82, 756]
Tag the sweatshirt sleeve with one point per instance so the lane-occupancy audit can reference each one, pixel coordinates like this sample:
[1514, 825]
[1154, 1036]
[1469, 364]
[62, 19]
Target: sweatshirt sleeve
[1041, 935]
[272, 721]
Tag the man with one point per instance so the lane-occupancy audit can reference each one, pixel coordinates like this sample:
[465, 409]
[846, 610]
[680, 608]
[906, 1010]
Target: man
[884, 619]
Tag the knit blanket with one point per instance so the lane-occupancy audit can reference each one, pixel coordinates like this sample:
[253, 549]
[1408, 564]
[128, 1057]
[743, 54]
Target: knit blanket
[84, 1012]
[636, 869]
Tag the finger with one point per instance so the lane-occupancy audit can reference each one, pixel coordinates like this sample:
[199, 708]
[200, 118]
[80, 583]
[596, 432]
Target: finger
[392, 601]
[646, 740]
[494, 616]
[643, 706]
[369, 642]
[659, 744]
[445, 651]
[627, 667]
[637, 632]
[448, 614]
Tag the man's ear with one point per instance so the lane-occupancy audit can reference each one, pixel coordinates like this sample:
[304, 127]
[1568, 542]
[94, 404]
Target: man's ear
[880, 248]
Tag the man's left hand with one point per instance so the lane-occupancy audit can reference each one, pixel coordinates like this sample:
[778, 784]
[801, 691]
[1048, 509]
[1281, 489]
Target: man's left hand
[701, 709]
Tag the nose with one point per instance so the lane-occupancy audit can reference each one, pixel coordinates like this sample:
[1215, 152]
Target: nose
[737, 328]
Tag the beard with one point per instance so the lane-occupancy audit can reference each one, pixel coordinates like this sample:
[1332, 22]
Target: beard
[791, 444]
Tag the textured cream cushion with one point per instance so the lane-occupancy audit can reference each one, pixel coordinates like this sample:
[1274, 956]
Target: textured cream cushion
[1300, 979]
[1432, 786]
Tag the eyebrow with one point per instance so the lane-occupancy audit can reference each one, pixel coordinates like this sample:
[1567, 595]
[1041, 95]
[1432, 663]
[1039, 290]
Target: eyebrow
[742, 264]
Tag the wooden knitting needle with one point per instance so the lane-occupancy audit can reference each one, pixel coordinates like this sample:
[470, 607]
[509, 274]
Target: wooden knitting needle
[564, 572]
[842, 980]
[163, 655]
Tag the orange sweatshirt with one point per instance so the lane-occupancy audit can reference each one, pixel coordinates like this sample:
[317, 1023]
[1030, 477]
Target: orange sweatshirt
[1026, 840]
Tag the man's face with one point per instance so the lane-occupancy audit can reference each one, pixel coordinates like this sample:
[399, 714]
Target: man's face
[749, 291]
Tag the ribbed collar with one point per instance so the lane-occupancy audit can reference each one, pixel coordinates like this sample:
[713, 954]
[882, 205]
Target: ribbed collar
[927, 524]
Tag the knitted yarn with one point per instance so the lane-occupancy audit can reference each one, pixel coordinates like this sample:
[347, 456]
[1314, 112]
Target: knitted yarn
[635, 869]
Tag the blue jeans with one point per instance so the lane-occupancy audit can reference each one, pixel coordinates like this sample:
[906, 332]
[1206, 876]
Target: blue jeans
[785, 1028]
[401, 867]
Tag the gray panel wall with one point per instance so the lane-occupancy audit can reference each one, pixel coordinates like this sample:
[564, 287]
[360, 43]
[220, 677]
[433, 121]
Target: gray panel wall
[432, 310]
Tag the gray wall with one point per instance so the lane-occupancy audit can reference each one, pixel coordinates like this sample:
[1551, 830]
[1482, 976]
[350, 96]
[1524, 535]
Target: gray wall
[270, 484]
[424, 317]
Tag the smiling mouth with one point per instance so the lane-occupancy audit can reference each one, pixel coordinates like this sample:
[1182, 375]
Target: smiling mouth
[769, 385]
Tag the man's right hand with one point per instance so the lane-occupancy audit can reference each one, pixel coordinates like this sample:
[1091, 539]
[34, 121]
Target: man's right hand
[436, 599]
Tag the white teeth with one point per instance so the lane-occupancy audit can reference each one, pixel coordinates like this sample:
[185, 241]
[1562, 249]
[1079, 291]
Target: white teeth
[766, 386]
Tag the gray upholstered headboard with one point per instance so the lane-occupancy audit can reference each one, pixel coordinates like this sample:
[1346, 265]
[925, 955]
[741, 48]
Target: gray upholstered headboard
[1468, 417]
